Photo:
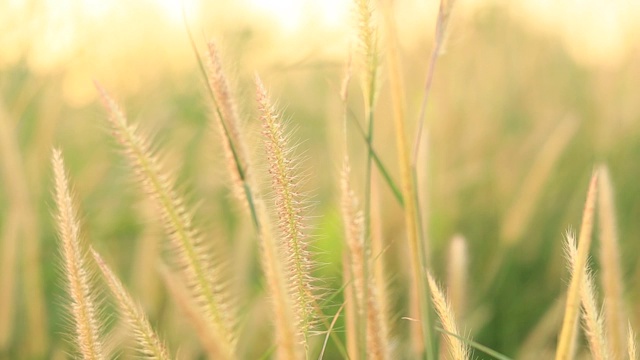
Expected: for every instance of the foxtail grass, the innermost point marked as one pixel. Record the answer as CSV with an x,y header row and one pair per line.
x,y
593,322
290,207
369,62
84,308
457,348
290,337
374,338
147,341
228,123
611,278
572,308
202,271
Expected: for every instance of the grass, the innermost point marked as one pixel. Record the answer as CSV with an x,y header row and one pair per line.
x,y
312,227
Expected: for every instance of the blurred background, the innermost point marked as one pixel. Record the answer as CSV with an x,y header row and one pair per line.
x,y
528,97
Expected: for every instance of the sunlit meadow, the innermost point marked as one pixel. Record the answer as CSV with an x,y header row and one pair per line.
x,y
254,179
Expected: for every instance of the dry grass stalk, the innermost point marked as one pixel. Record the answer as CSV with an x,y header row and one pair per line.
x,y
457,274
19,196
592,320
83,301
184,301
289,205
289,337
380,272
544,332
203,274
457,349
354,236
563,351
144,279
228,124
147,341
8,278
519,215
631,343
375,333
612,286
420,329
351,309
442,24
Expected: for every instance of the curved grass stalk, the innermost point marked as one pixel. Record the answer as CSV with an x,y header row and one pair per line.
x,y
147,341
202,273
83,300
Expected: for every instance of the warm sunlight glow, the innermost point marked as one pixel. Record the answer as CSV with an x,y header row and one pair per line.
x,y
84,38
293,15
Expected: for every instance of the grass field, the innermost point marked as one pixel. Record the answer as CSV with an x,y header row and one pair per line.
x,y
235,208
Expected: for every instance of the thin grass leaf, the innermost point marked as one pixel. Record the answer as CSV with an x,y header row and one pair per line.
x,y
329,332
475,345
